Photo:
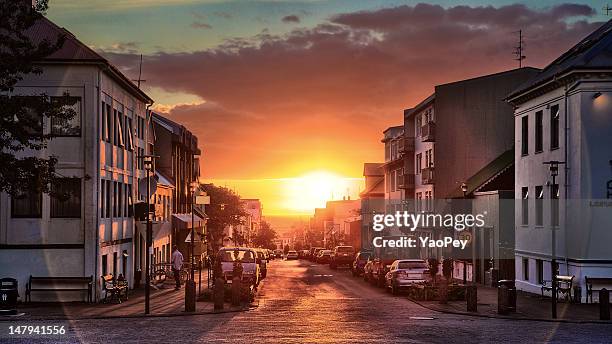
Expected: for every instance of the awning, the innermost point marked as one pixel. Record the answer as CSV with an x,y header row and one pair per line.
x,y
184,220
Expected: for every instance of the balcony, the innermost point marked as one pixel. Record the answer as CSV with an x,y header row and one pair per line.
x,y
406,145
427,175
428,132
406,181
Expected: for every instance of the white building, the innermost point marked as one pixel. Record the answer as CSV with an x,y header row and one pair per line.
x,y
564,114
91,232
393,168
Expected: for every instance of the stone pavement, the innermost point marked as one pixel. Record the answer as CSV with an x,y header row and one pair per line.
x,y
529,306
164,301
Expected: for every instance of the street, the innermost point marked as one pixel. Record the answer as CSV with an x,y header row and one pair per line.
x,y
302,302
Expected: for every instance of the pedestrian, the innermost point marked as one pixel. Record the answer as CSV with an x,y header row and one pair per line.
x,y
177,265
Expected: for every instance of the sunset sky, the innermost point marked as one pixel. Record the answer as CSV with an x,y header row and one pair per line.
x,y
290,98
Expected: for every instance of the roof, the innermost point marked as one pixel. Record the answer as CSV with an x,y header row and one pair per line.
x,y
74,50
163,180
373,169
593,52
371,189
420,106
486,174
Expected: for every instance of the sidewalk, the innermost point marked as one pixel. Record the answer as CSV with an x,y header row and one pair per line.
x,y
164,302
528,306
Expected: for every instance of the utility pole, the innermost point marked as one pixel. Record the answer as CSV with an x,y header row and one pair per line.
x,y
519,49
149,164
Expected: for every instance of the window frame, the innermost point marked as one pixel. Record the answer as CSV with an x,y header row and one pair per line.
x,y
539,132
525,135
36,214
54,213
555,134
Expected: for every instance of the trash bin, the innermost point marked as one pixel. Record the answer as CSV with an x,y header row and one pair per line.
x,y
8,296
510,296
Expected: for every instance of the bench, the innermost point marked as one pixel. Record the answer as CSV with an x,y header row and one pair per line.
x,y
589,281
48,283
564,285
116,288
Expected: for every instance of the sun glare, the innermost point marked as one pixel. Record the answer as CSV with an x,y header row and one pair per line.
x,y
312,190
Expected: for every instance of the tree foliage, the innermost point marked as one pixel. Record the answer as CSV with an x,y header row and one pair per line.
x,y
224,210
265,236
22,116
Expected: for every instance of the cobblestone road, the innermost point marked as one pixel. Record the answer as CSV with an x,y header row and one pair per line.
x,y
301,302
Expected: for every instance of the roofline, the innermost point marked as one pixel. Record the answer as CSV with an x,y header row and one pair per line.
x,y
113,71
420,105
490,75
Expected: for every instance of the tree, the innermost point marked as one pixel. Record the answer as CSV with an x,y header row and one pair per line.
x,y
265,236
21,117
224,210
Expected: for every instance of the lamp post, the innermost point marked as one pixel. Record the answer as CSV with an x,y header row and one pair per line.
x,y
553,167
148,163
464,189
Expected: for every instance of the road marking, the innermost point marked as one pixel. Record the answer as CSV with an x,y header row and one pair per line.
x,y
323,275
421,318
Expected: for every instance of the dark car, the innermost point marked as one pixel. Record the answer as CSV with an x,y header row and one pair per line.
x,y
359,263
278,253
324,256
342,255
315,253
378,269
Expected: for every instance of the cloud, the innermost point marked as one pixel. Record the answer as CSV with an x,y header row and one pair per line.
x,y
222,14
321,96
291,19
200,25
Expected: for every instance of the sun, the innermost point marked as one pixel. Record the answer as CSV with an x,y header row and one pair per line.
x,y
313,189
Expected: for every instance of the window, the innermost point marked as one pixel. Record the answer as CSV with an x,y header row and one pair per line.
x,y
554,127
66,198
63,127
119,129
130,207
104,265
419,158
109,123
525,269
128,134
539,205
102,198
429,158
120,199
539,131
393,176
525,135
108,199
419,124
540,271
28,204
525,205
115,192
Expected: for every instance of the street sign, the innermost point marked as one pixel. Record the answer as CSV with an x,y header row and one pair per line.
x,y
142,186
202,200
466,236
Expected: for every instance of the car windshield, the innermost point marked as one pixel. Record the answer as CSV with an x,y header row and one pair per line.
x,y
412,265
230,256
345,249
260,255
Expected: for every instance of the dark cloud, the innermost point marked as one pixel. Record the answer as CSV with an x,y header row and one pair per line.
x,y
291,19
200,25
336,86
224,15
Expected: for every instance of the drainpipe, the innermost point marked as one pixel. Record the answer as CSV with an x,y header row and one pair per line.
x,y
97,183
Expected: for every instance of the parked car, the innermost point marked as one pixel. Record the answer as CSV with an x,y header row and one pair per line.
x,y
304,254
342,255
278,253
379,269
292,255
250,268
262,261
361,258
324,256
405,273
367,269
315,253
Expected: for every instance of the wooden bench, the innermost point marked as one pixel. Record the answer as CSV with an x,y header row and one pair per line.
x,y
589,281
115,288
564,285
48,283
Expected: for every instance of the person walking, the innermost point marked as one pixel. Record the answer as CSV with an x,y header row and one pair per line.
x,y
177,265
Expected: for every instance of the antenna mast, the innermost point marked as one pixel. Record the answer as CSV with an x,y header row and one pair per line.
x,y
519,50
139,80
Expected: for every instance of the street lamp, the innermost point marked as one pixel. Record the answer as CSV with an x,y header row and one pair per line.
x,y
553,167
148,163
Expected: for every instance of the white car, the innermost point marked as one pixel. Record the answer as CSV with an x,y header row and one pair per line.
x,y
250,268
405,273
292,255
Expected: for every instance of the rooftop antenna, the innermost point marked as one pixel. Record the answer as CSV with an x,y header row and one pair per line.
x,y
518,50
139,80
607,9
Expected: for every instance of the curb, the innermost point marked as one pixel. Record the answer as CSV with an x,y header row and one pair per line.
x,y
130,316
509,317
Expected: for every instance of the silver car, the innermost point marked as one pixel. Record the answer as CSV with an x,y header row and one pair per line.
x,y
404,273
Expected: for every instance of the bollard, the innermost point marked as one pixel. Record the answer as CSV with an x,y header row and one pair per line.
x,y
604,304
219,293
236,291
502,299
190,296
471,297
